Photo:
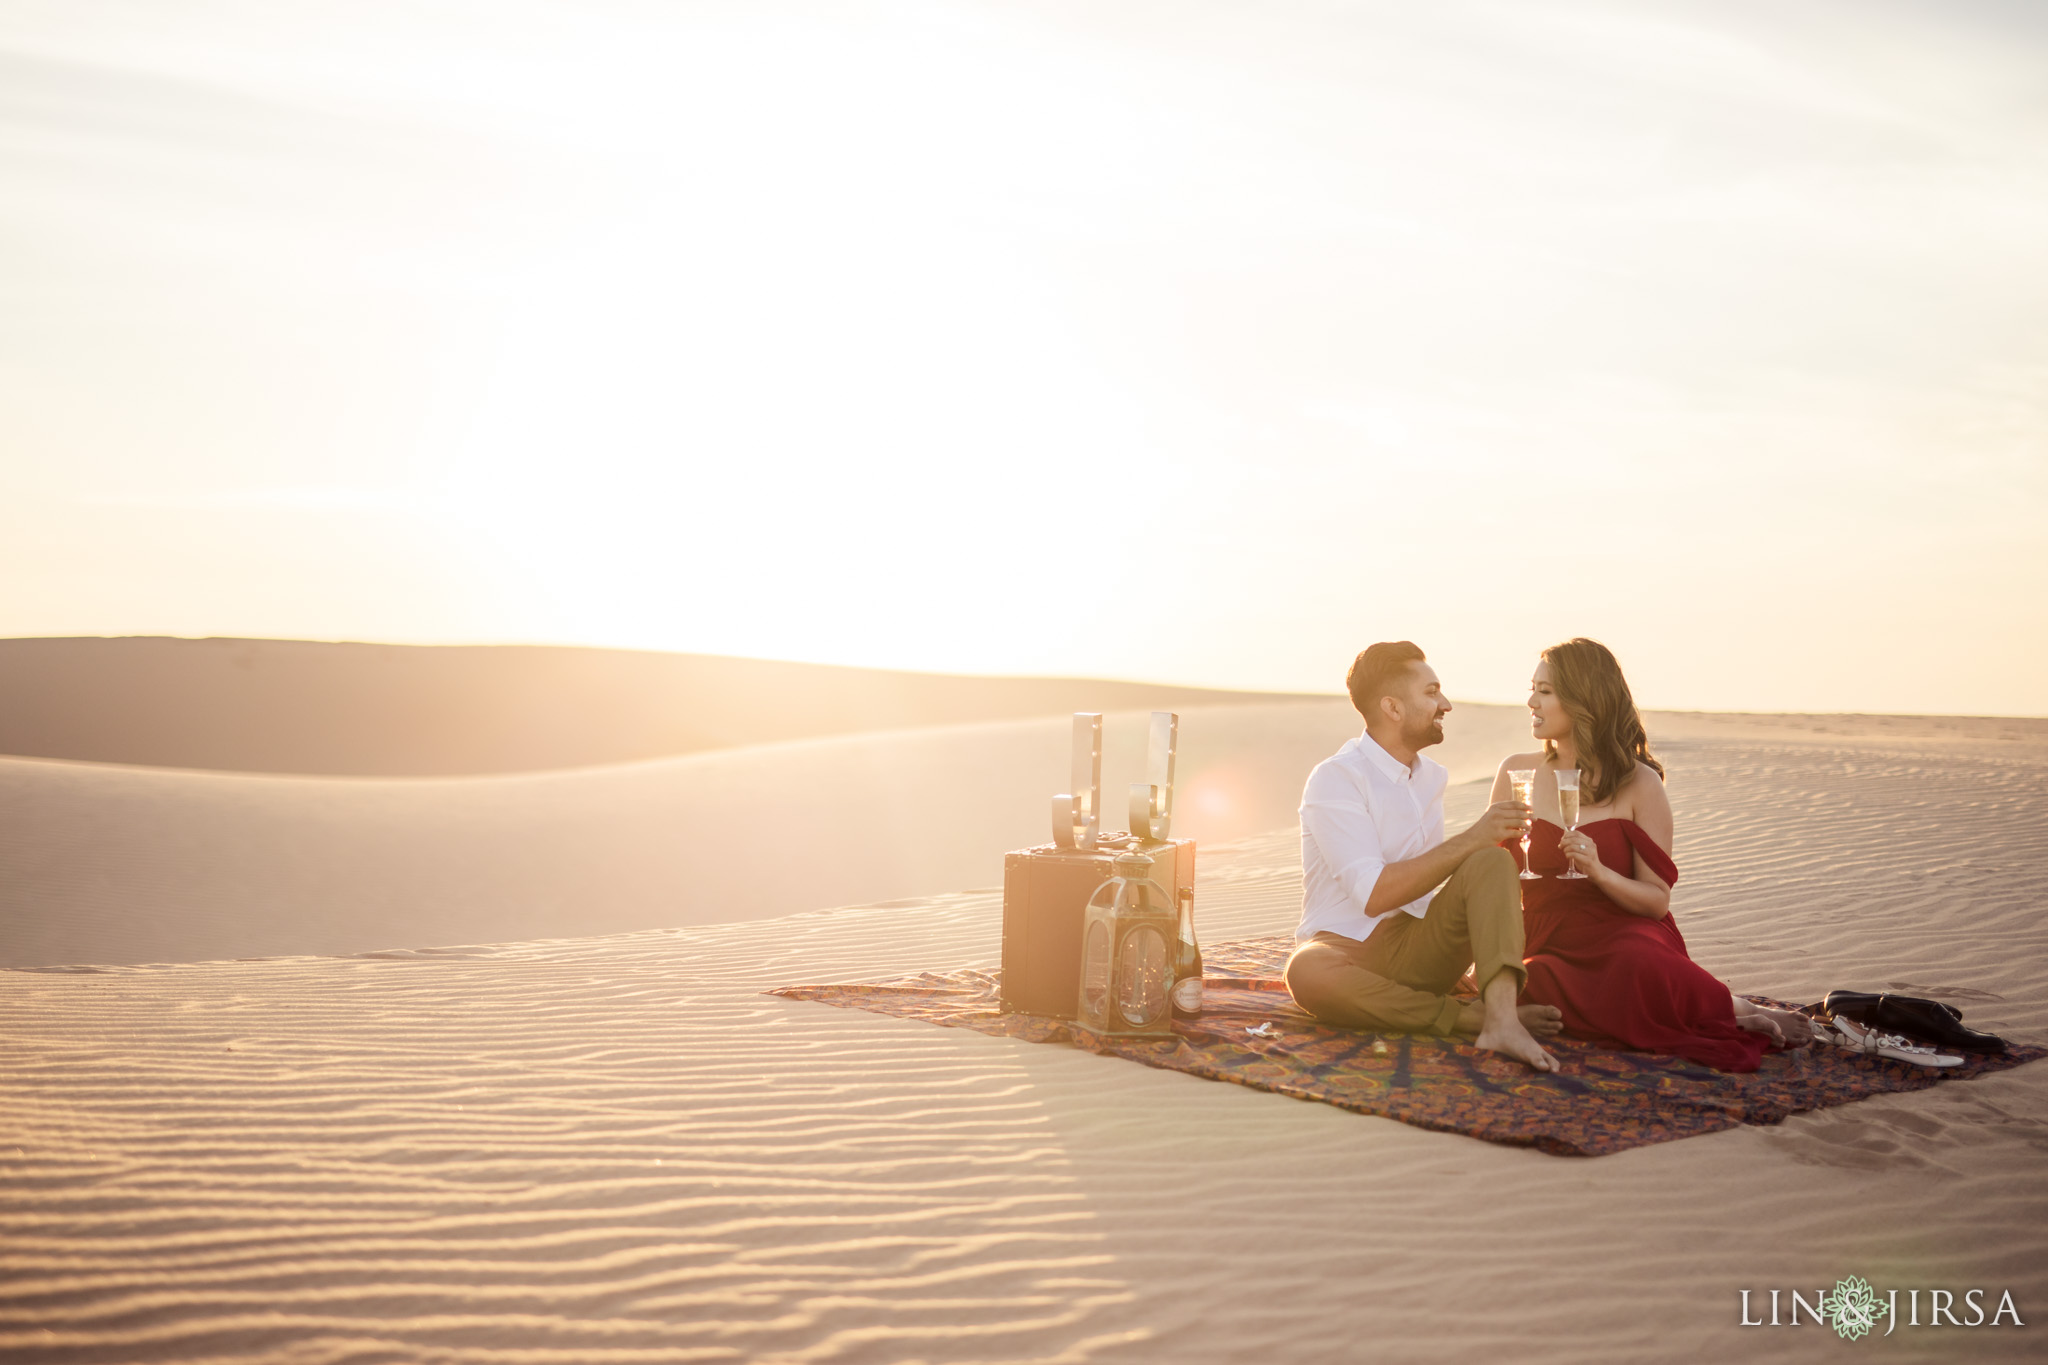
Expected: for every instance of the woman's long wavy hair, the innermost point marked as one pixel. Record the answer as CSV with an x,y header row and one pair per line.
x,y
1607,731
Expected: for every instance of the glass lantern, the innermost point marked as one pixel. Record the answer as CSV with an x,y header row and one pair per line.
x,y
1127,937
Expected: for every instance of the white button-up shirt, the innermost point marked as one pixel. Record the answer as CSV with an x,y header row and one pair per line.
x,y
1362,809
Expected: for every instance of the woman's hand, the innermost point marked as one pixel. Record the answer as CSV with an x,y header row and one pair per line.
x,y
1580,851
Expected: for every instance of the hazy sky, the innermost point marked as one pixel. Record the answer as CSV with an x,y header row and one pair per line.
x,y
1191,341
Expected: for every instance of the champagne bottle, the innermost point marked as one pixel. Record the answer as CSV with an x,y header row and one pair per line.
x,y
1187,962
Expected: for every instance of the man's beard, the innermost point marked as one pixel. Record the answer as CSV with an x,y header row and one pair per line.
x,y
1426,733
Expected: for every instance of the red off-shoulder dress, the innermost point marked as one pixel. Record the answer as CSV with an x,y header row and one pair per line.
x,y
1622,979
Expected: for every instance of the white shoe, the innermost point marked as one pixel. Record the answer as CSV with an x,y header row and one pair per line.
x,y
1847,1033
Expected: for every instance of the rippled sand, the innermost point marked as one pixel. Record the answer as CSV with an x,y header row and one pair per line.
x,y
615,1149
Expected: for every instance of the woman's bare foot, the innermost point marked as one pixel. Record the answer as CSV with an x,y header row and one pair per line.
x,y
1798,1028
1788,1028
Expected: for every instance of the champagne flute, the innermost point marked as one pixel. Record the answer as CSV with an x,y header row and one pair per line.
x,y
1568,815
1522,781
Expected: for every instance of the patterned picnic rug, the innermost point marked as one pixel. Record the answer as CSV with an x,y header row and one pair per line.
x,y
1601,1100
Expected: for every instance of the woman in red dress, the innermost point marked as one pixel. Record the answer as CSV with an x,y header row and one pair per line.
x,y
1605,951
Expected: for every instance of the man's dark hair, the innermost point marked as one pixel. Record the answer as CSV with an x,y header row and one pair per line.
x,y
1377,670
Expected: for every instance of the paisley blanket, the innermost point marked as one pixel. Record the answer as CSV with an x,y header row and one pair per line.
x,y
1602,1100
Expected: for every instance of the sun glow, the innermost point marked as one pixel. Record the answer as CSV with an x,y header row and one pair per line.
x,y
1037,337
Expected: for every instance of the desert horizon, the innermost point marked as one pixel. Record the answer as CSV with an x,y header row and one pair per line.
x,y
369,708
465,792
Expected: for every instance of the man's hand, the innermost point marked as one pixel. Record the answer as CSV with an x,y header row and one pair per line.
x,y
1503,820
1415,877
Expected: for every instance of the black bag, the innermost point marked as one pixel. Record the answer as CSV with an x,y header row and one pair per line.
x,y
1930,1021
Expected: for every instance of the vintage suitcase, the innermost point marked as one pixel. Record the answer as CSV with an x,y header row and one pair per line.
x,y
1046,889
1045,894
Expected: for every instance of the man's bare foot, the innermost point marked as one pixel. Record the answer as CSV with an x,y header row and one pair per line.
x,y
1509,1038
1543,1021
1496,1023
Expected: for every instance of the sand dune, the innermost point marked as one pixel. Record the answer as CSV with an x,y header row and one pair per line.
x,y
299,706
108,864
112,864
615,1149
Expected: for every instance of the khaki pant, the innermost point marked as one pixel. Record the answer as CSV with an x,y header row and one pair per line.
x,y
1399,980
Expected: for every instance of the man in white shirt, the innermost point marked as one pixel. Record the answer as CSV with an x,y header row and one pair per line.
x,y
1393,913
